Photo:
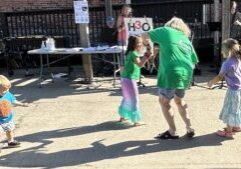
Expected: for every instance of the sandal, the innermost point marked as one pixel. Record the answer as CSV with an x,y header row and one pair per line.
x,y
190,134
138,124
166,136
122,119
223,133
235,129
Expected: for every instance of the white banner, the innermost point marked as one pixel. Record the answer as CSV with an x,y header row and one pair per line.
x,y
135,26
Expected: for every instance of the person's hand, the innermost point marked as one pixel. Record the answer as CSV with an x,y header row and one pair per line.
x,y
147,55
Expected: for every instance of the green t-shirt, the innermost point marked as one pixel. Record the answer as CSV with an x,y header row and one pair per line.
x,y
131,70
176,58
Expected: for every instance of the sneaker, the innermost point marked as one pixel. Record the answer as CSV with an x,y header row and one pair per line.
x,y
13,144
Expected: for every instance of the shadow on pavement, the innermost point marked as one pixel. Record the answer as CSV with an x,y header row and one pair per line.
x,y
33,93
68,132
34,157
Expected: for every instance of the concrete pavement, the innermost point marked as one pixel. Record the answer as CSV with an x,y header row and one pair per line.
x,y
68,126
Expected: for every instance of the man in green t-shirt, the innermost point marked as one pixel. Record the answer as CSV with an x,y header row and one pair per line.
x,y
177,59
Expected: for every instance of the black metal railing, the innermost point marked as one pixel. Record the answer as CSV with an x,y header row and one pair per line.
x,y
62,23
48,23
190,11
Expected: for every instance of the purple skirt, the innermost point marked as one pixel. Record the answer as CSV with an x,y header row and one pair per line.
x,y
129,108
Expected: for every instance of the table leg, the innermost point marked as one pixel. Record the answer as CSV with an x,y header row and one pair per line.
x,y
48,61
48,66
41,71
116,68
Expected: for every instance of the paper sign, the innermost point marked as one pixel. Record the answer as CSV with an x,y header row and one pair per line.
x,y
81,11
135,26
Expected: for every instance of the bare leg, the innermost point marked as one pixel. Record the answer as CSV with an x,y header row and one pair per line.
x,y
229,128
165,106
10,136
182,109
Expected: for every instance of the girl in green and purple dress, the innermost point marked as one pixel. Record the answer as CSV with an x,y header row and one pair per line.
x,y
129,108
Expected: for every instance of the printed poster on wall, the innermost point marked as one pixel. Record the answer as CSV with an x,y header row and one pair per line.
x,y
81,11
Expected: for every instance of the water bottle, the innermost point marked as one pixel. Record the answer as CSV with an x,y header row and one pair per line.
x,y
43,45
50,44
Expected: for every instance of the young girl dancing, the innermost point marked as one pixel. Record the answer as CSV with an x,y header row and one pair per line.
x,y
231,71
129,108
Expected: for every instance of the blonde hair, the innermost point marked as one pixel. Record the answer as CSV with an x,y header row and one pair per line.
x,y
231,47
5,84
178,23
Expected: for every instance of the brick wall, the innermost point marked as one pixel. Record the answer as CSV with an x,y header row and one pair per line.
x,y
29,5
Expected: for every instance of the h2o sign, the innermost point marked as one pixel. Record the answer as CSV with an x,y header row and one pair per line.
x,y
136,26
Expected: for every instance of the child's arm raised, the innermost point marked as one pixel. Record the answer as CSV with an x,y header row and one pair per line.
x,y
141,62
